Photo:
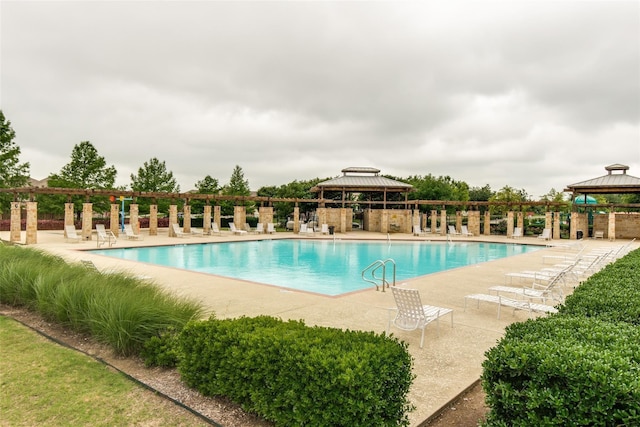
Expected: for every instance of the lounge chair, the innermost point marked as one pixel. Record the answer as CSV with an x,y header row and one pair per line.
x,y
452,231
546,234
417,231
527,305
71,235
215,229
517,233
464,231
598,234
131,235
179,232
411,314
536,290
259,228
324,228
235,230
305,229
105,236
271,228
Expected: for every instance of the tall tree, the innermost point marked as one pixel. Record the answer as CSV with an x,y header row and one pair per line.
x,y
237,186
510,195
12,172
153,176
207,185
87,169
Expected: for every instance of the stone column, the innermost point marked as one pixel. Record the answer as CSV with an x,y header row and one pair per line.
x,y
384,221
206,220
458,221
473,222
434,221
556,225
15,226
520,221
343,220
134,217
87,220
153,220
509,224
186,218
296,219
173,219
443,222
114,219
548,220
573,229
69,218
32,223
217,215
265,216
611,229
239,217
322,215
487,223
423,222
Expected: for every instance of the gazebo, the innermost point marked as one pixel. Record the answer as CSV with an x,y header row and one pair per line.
x,y
613,225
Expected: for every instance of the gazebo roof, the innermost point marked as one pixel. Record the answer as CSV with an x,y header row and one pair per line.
x,y
611,183
362,179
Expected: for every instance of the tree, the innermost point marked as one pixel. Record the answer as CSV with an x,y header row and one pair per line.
x,y
509,195
237,186
154,177
87,169
208,185
12,173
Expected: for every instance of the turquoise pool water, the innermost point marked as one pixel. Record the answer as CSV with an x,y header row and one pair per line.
x,y
320,266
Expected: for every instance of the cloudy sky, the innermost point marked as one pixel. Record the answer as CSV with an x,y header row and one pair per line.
x,y
535,95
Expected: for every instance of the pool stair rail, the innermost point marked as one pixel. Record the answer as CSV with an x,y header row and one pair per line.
x,y
369,273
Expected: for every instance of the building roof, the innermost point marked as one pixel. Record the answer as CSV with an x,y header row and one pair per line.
x,y
362,179
611,183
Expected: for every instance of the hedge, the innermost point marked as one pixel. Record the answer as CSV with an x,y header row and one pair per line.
x,y
296,375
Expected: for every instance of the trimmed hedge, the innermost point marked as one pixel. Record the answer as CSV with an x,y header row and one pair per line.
x,y
562,371
578,367
296,375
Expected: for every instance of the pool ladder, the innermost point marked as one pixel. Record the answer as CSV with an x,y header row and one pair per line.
x,y
375,267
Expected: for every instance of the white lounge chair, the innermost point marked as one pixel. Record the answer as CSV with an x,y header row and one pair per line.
x,y
517,233
305,229
259,228
527,305
546,234
417,231
71,235
411,314
235,230
131,235
324,228
179,232
105,236
464,231
452,231
536,290
215,229
271,228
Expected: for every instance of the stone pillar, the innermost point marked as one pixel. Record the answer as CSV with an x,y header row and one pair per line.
x,y
216,215
173,219
509,224
186,219
487,223
114,221
423,222
69,218
611,229
322,216
415,220
296,219
556,225
87,220
443,222
15,226
153,220
434,221
32,223
265,215
548,223
384,221
473,222
520,221
343,220
206,220
458,221
239,217
573,227
134,217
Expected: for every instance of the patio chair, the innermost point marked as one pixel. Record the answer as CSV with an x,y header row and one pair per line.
x,y
105,236
536,290
411,314
464,231
235,230
452,231
131,235
259,228
417,231
305,229
517,233
271,228
546,234
179,232
501,301
215,229
324,228
71,235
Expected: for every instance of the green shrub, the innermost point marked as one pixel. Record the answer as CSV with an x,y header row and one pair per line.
x,y
161,350
562,371
296,375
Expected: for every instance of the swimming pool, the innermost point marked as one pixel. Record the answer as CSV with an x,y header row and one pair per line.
x,y
325,267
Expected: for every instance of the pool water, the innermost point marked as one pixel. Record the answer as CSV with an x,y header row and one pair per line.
x,y
320,266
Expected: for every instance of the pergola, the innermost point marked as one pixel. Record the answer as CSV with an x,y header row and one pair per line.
x,y
611,183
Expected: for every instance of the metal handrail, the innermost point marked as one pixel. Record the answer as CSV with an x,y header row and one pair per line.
x,y
373,267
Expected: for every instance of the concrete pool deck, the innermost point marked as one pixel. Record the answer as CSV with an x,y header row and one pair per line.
x,y
448,363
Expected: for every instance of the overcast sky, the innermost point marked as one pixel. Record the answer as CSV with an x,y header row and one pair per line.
x,y
534,95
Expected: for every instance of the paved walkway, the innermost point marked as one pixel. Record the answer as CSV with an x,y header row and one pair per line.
x,y
448,363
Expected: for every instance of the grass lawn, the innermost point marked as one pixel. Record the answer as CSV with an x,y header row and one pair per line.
x,y
42,383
